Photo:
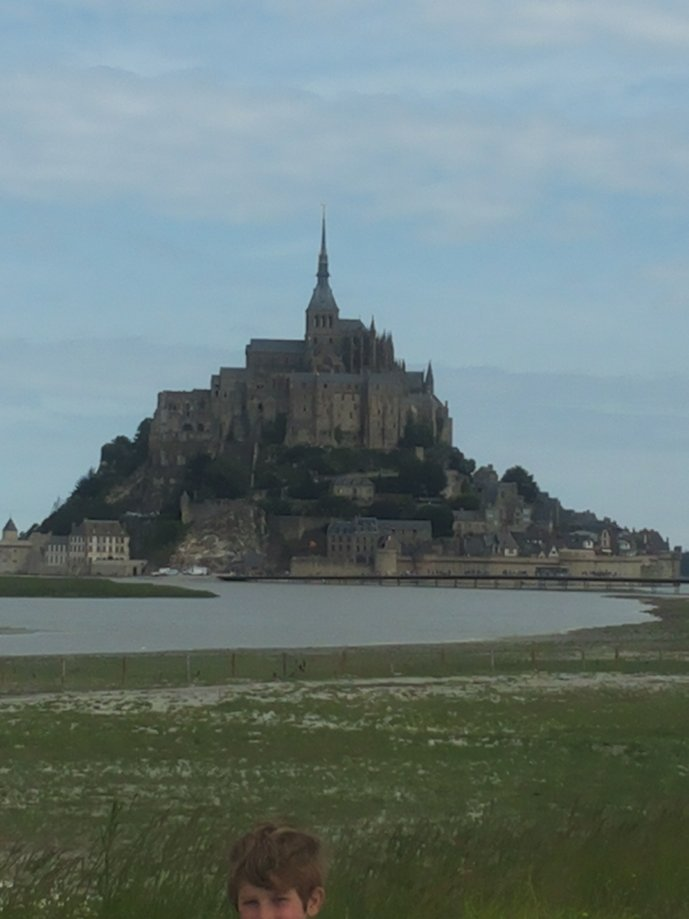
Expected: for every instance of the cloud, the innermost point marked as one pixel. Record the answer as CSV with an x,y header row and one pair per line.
x,y
192,146
538,23
98,378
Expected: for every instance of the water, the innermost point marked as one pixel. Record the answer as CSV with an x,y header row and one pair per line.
x,y
245,615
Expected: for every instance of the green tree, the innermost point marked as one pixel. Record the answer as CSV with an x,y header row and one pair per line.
x,y
417,434
393,507
440,516
458,461
220,477
277,507
526,485
467,501
304,486
421,478
336,506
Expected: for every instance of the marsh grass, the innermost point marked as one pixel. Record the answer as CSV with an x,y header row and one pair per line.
x,y
516,796
594,867
83,672
72,587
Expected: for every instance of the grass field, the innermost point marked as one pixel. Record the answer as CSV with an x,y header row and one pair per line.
x,y
529,794
29,586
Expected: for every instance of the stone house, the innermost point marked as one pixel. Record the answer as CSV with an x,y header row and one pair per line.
x,y
357,541
94,541
359,489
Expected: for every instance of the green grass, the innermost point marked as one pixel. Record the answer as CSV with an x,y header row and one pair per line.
x,y
516,795
518,780
595,867
85,672
29,586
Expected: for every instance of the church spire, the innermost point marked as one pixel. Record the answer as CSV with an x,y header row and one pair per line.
x,y
323,273
322,312
429,378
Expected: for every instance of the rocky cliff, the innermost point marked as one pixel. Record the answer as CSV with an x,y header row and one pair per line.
x,y
223,535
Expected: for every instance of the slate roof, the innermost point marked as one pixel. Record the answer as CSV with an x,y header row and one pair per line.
x,y
293,345
393,526
358,525
99,528
350,325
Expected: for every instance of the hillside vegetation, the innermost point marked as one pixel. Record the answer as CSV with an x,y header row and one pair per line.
x,y
410,482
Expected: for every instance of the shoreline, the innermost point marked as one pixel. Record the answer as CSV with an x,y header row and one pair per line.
x,y
668,622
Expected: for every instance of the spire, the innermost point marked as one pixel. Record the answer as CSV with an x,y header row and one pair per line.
x,y
429,378
323,273
322,299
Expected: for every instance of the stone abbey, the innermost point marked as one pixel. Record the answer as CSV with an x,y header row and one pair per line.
x,y
339,385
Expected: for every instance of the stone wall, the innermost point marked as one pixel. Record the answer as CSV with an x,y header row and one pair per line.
x,y
639,566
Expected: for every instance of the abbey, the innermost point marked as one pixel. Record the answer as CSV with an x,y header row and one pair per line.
x,y
339,385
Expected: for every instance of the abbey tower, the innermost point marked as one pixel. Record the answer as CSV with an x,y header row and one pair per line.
x,y
340,385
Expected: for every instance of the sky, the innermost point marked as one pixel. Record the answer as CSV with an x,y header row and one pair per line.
x,y
507,192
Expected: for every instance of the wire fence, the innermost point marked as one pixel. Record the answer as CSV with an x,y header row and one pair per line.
x,y
86,672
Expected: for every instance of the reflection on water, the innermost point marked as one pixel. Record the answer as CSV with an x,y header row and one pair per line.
x,y
247,615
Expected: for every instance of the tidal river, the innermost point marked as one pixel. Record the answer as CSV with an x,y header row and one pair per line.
x,y
246,615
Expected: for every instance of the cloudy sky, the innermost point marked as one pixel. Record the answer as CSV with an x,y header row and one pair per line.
x,y
507,189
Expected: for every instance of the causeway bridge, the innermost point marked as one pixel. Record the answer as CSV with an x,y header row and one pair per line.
x,y
478,581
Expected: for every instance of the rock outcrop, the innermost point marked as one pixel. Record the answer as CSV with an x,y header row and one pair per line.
x,y
222,535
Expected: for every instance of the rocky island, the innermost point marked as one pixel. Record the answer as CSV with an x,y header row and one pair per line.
x,y
322,455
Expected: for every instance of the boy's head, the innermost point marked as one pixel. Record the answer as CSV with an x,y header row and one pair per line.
x,y
281,862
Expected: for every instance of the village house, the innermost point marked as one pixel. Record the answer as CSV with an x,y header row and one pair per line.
x,y
93,547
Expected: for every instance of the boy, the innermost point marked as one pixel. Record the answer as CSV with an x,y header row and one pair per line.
x,y
277,872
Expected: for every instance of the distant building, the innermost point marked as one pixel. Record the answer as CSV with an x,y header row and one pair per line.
x,y
14,552
353,542
94,542
93,547
357,541
341,385
56,553
357,488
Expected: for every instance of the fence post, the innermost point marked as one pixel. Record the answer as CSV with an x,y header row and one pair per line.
x,y
63,673
188,661
124,670
492,660
284,665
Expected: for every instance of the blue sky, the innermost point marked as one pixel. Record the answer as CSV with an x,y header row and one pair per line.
x,y
507,189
